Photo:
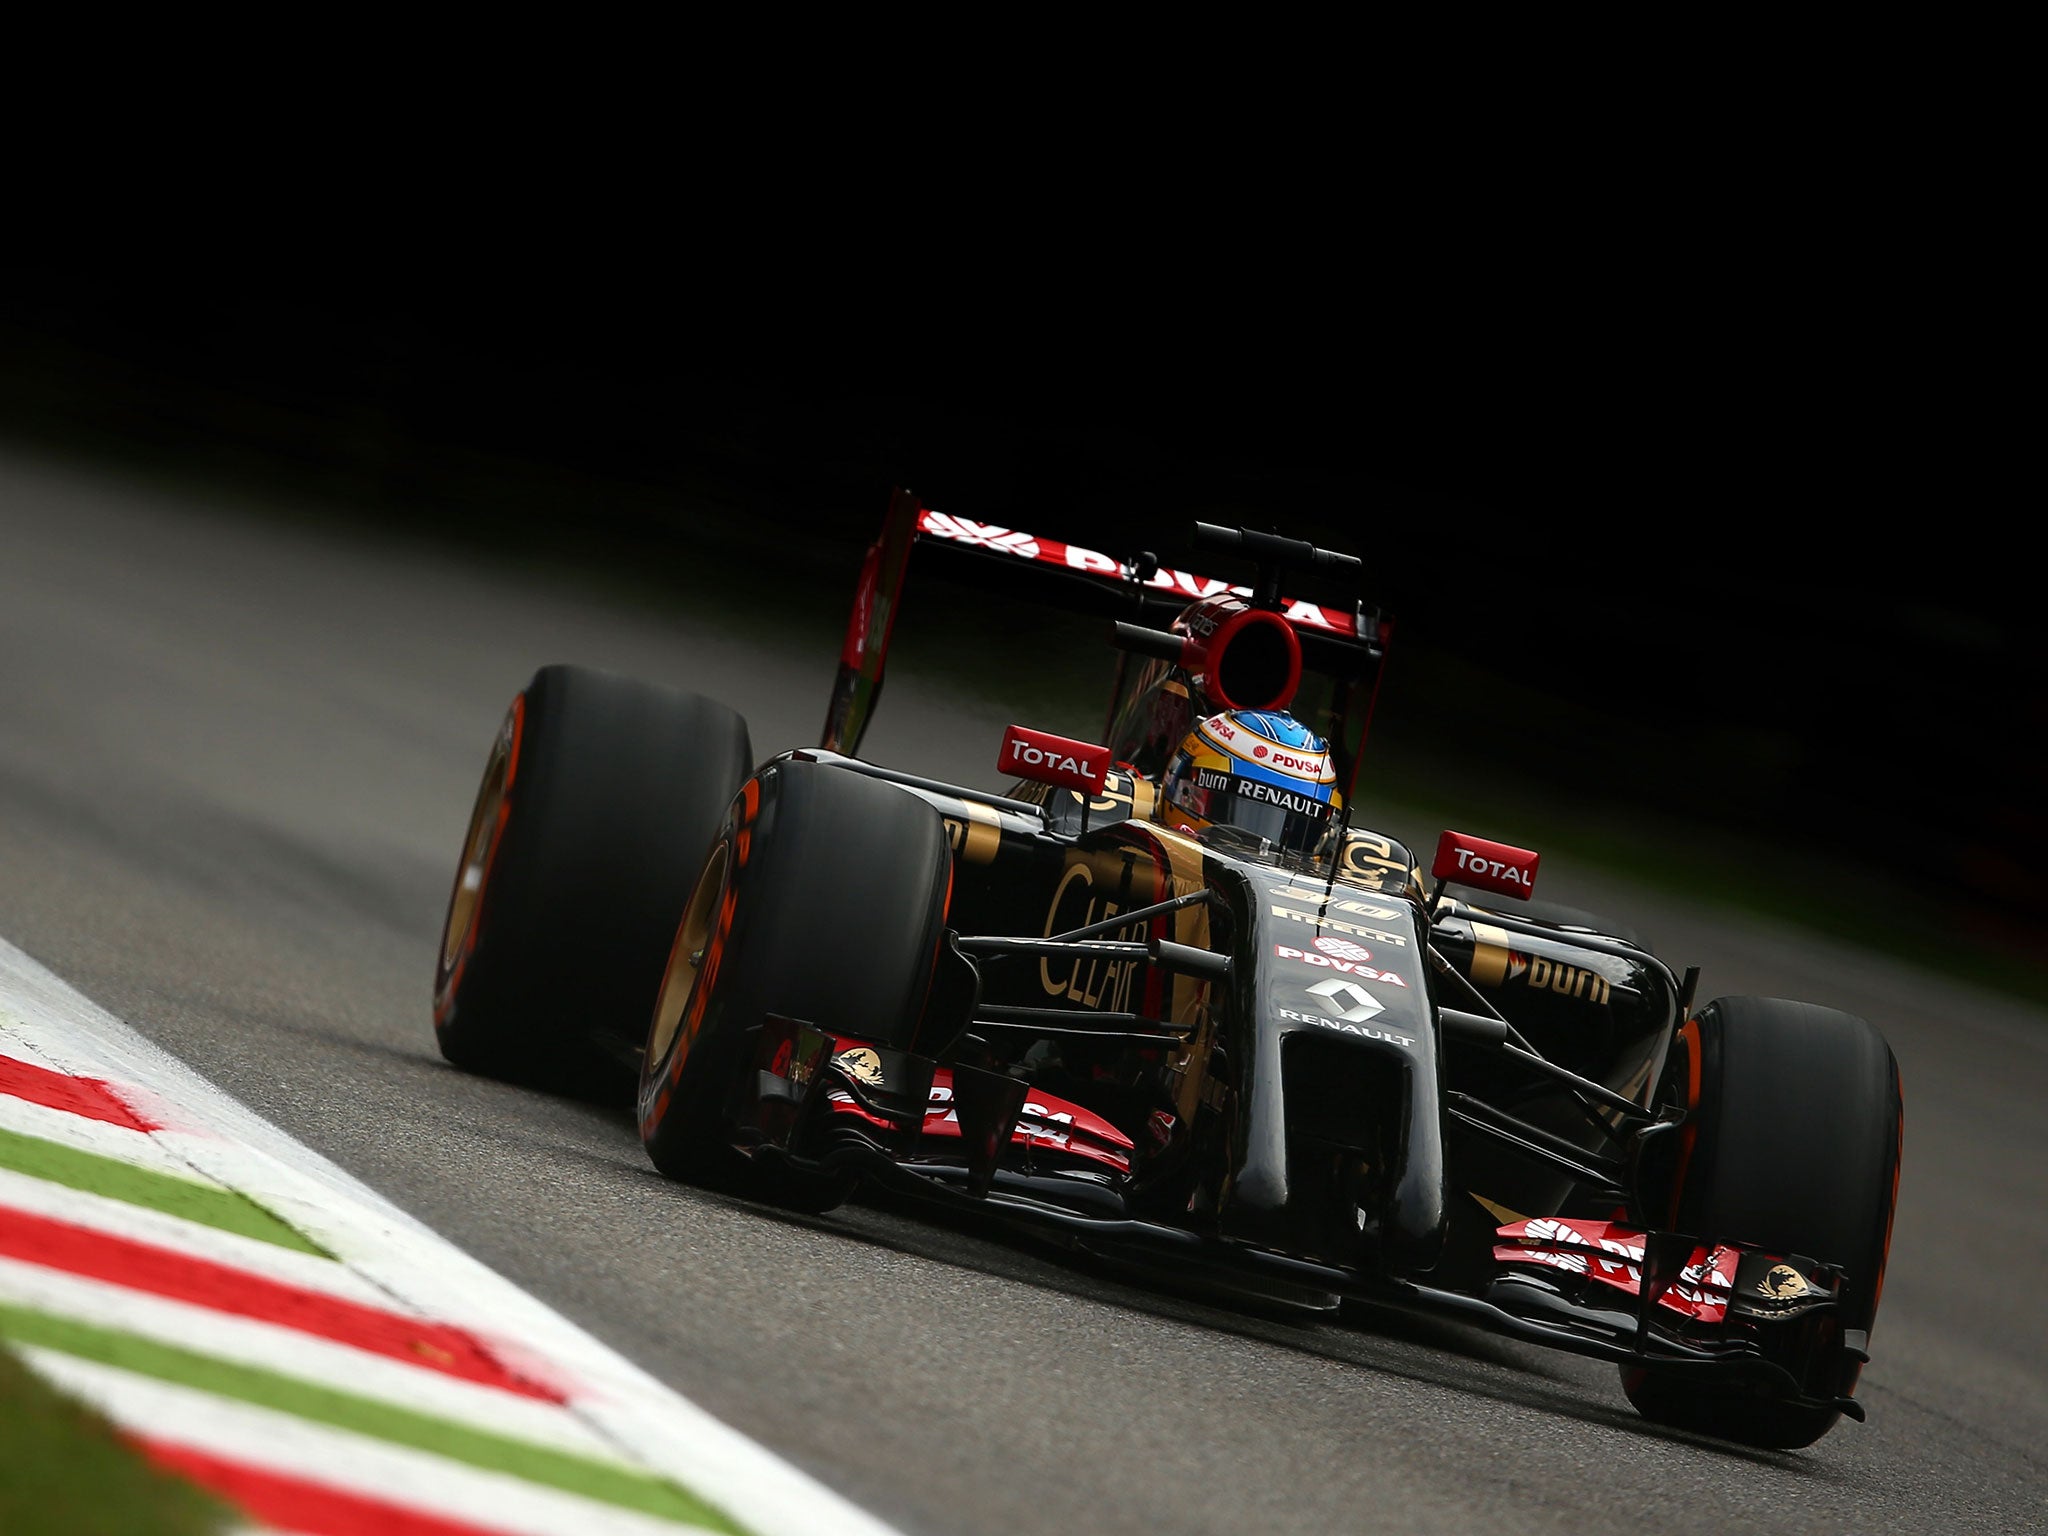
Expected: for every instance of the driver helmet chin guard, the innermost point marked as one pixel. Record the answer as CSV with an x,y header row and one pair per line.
x,y
1261,773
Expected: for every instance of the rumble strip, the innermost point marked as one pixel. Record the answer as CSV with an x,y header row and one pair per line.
x,y
255,1319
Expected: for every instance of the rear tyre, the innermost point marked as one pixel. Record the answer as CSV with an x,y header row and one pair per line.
x,y
823,899
1795,1125
597,803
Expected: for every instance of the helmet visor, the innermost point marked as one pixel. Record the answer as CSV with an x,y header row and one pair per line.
x,y
1286,818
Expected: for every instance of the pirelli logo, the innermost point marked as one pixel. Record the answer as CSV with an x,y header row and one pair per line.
x,y
1321,901
1356,930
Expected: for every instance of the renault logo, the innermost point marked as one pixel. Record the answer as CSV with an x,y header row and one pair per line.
x,y
1356,1004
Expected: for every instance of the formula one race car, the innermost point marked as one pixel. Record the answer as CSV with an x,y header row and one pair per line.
x,y
1161,1000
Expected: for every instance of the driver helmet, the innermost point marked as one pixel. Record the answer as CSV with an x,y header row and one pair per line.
x,y
1259,771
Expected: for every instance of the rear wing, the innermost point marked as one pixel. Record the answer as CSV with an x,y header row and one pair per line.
x,y
1118,587
1348,642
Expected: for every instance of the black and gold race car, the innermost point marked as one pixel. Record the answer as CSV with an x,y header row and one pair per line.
x,y
1162,999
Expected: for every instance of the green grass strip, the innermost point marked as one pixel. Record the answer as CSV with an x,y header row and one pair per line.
x,y
564,1470
109,1176
64,1469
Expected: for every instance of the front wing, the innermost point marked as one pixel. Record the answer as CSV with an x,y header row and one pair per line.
x,y
977,1141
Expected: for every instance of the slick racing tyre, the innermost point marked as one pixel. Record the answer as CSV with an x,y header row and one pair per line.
x,y
597,803
1792,1143
823,899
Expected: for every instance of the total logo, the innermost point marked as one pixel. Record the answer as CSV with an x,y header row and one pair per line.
x,y
1344,949
1048,759
1024,755
1473,862
1349,967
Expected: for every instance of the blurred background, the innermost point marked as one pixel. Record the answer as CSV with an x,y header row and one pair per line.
x,y
1716,573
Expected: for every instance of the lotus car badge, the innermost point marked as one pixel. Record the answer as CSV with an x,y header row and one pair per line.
x,y
1783,1283
862,1065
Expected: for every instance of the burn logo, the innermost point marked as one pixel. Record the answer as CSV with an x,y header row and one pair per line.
x,y
1568,980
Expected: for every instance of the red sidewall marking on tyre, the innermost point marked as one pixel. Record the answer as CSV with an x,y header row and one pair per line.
x,y
1690,1036
1891,1214
476,917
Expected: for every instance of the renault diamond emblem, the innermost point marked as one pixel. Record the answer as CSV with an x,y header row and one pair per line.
x,y
1358,1004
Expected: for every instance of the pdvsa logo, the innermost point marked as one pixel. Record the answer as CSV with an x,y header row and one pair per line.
x,y
981,535
1351,968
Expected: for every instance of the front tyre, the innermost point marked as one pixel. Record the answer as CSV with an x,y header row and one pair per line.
x,y
598,800
1794,1127
823,899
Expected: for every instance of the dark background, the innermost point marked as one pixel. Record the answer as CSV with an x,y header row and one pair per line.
x,y
1735,546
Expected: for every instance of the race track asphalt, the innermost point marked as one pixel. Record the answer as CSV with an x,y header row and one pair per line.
x,y
237,755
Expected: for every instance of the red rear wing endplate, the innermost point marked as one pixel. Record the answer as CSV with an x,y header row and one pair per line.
x,y
873,621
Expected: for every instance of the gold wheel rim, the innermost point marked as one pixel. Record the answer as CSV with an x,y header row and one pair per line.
x,y
687,954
